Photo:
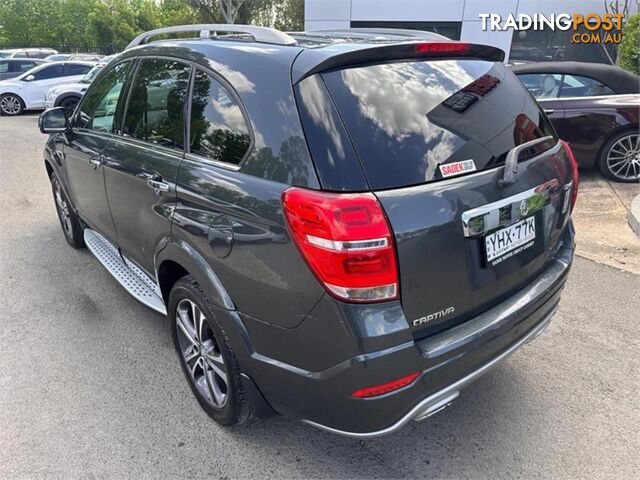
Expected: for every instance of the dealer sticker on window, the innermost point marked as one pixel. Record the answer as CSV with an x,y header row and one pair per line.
x,y
511,240
457,168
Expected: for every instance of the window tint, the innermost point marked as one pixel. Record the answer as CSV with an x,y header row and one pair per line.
x,y
24,66
75,69
406,119
155,108
98,108
4,67
20,55
52,71
578,86
542,85
218,128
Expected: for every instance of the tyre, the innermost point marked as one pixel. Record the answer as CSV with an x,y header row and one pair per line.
x,y
205,354
11,104
69,104
69,221
620,157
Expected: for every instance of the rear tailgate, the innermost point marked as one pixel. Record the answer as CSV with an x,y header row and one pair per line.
x,y
432,137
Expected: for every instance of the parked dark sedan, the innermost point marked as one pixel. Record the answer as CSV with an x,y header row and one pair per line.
x,y
595,108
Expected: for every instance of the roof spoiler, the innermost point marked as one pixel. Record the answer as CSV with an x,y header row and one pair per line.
x,y
337,56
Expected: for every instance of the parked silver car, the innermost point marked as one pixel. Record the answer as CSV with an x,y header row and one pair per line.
x,y
27,52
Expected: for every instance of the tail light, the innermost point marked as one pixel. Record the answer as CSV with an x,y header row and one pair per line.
x,y
574,173
347,242
442,47
385,387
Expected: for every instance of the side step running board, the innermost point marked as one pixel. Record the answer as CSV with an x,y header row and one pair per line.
x,y
134,280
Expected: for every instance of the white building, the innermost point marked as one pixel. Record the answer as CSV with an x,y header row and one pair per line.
x,y
460,20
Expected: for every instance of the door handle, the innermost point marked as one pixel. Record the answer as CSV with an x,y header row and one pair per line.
x,y
95,162
548,111
157,185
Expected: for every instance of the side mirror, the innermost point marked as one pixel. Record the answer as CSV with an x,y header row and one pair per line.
x,y
29,78
54,120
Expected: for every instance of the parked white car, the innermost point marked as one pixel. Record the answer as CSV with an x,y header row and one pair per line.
x,y
27,52
27,91
69,94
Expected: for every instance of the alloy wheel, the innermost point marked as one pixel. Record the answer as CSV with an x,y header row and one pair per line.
x,y
201,354
623,158
10,105
63,210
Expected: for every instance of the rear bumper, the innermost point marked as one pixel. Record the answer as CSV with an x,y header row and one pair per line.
x,y
442,398
447,362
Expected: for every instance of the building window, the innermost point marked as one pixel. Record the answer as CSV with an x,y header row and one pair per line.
x,y
547,45
448,29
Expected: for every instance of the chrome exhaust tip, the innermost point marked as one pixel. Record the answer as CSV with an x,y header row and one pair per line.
x,y
436,407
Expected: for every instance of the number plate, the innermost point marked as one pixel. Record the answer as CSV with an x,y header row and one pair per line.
x,y
510,240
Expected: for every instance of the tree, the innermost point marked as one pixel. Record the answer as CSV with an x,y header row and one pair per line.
x,y
629,50
616,7
229,9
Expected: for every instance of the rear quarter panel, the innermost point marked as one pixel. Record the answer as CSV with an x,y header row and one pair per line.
x,y
589,122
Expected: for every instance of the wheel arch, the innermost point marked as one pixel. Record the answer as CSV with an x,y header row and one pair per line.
x,y
24,104
49,168
65,96
633,127
178,259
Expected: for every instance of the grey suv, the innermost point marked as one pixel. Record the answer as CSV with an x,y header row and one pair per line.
x,y
345,227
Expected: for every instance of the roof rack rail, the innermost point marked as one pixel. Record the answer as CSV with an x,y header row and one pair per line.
x,y
401,32
260,34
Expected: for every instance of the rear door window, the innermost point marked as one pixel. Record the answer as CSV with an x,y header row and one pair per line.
x,y
53,71
76,69
407,119
218,128
24,66
579,86
155,106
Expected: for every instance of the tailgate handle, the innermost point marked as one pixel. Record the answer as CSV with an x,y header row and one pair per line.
x,y
511,163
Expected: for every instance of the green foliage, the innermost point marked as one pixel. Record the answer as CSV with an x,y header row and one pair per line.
x,y
629,51
86,23
83,24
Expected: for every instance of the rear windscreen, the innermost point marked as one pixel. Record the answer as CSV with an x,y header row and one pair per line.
x,y
408,119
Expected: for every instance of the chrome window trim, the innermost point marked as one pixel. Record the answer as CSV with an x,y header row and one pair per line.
x,y
588,97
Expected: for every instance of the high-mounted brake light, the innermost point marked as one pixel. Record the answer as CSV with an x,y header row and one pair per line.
x,y
442,47
347,242
574,173
385,387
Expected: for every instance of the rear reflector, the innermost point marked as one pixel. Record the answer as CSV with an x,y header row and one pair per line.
x,y
346,241
385,387
574,173
442,47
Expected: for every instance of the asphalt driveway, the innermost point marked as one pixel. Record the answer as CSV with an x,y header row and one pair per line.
x,y
90,386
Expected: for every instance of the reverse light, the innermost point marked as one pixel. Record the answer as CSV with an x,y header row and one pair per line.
x,y
385,387
442,47
346,241
574,173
